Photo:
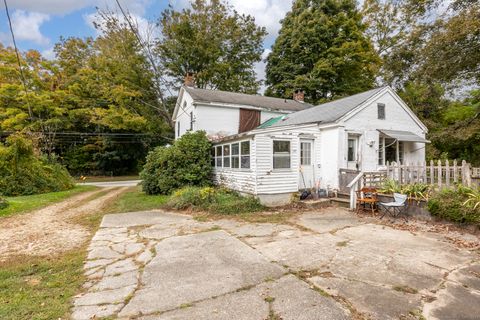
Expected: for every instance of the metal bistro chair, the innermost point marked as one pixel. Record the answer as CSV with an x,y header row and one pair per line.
x,y
366,196
399,206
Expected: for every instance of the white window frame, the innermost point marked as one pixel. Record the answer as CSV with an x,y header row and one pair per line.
x,y
289,154
399,151
309,153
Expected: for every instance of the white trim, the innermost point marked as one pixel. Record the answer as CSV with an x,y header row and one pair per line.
x,y
177,104
367,102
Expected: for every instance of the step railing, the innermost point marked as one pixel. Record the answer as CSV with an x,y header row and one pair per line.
x,y
355,185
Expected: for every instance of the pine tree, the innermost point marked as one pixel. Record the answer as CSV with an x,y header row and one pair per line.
x,y
321,49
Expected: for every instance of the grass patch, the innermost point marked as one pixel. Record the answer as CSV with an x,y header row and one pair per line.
x,y
38,287
22,204
134,199
405,289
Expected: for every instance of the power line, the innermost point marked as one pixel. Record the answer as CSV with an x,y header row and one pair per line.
x,y
22,76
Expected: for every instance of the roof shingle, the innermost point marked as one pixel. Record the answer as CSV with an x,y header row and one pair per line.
x,y
209,96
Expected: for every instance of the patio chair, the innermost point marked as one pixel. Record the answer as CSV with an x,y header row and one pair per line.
x,y
366,195
397,207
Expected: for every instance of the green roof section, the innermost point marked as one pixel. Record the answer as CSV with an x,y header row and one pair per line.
x,y
270,122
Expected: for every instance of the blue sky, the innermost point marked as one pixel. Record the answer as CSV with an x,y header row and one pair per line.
x,y
38,24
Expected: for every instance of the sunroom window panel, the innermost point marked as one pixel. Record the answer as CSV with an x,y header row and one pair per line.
x,y
245,155
226,156
235,155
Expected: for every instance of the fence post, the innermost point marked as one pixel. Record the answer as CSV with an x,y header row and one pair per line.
x,y
432,173
447,173
468,175
399,168
424,172
439,168
455,172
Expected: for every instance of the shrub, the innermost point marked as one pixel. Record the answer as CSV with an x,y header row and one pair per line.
x,y
3,203
451,204
24,171
414,190
214,200
185,163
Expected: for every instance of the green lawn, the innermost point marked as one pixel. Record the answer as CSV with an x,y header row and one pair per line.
x,y
134,199
23,204
40,288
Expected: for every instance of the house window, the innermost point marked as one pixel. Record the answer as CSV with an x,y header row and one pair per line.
x,y
381,111
178,129
245,154
390,150
305,153
235,155
213,156
218,157
281,154
352,149
191,121
226,156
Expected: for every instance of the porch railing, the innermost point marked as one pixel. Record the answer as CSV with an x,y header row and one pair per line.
x,y
436,173
364,179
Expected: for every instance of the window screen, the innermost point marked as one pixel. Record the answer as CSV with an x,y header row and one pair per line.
x,y
245,154
235,155
281,154
305,153
381,111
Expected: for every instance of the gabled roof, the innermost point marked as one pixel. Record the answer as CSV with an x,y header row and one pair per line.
x,y
327,112
217,96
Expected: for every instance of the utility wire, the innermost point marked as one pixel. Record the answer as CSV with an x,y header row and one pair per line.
x,y
147,50
22,76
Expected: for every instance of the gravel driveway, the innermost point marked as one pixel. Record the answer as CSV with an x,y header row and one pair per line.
x,y
324,265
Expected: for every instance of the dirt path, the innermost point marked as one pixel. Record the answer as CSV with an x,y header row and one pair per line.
x,y
52,229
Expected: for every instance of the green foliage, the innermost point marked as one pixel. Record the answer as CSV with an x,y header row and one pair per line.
x,y
217,44
213,200
322,49
413,190
185,163
455,205
22,204
473,199
24,172
3,203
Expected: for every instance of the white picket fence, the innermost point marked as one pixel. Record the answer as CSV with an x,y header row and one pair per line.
x,y
435,173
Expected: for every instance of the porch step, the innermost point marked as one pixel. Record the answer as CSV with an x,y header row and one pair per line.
x,y
341,202
342,195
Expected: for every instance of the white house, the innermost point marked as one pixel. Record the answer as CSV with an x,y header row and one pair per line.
x,y
291,150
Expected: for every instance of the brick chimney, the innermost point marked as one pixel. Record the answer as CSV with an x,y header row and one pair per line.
x,y
299,95
189,79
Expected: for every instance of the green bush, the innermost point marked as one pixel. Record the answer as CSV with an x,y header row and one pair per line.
x,y
214,200
3,203
24,171
185,163
451,204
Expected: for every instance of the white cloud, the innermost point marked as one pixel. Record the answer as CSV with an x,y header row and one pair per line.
x,y
267,13
139,22
48,54
26,26
260,69
61,7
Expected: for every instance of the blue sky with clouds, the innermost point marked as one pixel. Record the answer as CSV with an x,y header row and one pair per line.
x,y
38,24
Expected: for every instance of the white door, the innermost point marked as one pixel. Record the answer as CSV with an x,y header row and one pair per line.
x,y
306,175
353,161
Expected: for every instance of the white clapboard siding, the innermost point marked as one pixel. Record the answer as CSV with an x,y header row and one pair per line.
x,y
273,181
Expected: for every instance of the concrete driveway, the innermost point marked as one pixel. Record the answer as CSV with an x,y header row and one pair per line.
x,y
325,265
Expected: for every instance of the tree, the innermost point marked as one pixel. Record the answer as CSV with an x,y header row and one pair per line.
x,y
322,49
215,43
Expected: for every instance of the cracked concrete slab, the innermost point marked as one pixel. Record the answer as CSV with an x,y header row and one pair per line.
x,y
161,265
209,264
374,301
